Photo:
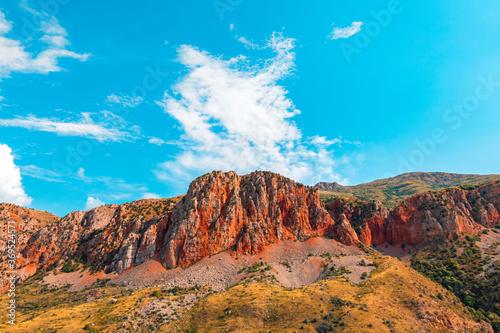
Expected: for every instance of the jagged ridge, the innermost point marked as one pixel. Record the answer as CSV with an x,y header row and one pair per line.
x,y
225,211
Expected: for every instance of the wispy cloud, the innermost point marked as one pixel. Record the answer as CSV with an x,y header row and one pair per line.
x,y
11,188
83,128
14,57
128,101
242,39
40,173
235,116
150,195
347,32
248,44
112,188
115,188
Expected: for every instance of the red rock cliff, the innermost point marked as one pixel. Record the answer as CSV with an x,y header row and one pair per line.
x,y
422,218
223,211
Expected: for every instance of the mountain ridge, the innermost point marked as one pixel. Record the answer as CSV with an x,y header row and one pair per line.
x,y
394,190
225,211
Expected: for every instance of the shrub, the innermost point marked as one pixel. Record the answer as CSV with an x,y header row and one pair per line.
x,y
324,327
175,290
69,267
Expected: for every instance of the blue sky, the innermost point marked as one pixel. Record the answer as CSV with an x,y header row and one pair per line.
x,y
116,101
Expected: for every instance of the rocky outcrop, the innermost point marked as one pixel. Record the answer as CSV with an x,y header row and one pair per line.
x,y
368,219
324,186
112,237
22,224
423,218
223,211
442,215
344,232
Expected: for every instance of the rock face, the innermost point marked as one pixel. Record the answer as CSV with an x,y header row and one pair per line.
x,y
439,215
112,237
27,222
368,219
225,211
324,186
422,218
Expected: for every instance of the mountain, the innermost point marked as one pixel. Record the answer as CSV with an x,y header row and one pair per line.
x,y
262,235
423,218
392,191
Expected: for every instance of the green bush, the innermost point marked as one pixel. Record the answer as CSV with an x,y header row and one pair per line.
x,y
69,267
324,327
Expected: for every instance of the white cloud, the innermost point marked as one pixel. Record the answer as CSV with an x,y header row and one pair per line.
x,y
156,141
1,99
40,173
11,188
149,195
346,32
231,26
113,188
128,101
5,26
93,203
248,44
15,58
236,116
323,141
81,173
84,128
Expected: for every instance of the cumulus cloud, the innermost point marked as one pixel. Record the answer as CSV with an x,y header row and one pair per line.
x,y
235,116
128,101
15,58
11,188
347,32
93,203
86,127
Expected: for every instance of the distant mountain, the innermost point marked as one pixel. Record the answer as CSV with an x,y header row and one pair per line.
x,y
394,190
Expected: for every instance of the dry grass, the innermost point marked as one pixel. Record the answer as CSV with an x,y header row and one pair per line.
x,y
391,300
394,298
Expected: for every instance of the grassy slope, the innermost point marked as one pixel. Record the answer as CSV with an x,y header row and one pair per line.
x,y
388,301
118,309
392,191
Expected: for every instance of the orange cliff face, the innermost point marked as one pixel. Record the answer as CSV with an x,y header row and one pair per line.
x,y
423,218
225,211
27,223
446,214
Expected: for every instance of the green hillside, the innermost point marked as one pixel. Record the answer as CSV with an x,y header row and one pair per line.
x,y
392,191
